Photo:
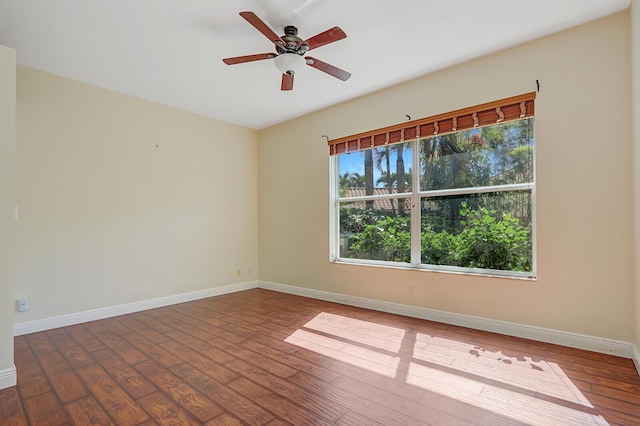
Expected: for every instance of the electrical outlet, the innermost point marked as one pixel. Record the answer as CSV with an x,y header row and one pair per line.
x,y
22,304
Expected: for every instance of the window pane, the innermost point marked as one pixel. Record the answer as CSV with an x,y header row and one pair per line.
x,y
376,230
375,171
489,231
494,155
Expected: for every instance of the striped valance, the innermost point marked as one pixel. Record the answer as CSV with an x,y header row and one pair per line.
x,y
514,108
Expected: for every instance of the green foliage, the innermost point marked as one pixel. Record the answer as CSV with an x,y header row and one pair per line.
x,y
455,160
439,247
353,221
485,239
388,239
493,241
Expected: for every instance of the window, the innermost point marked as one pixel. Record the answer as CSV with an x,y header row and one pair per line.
x,y
460,198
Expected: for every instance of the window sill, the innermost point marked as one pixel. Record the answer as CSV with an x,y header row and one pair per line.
x,y
458,271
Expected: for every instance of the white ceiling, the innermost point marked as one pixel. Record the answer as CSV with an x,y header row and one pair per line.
x,y
171,51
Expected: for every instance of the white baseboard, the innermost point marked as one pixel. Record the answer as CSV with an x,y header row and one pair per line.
x,y
575,340
8,378
112,311
563,338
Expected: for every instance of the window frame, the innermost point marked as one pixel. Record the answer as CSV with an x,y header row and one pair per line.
x,y
415,196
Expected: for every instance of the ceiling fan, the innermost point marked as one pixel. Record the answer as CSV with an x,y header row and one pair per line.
x,y
290,50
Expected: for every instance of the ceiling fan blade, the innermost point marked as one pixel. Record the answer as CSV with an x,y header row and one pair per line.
x,y
259,25
329,69
287,81
325,37
248,58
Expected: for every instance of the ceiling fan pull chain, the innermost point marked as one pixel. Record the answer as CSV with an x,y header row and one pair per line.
x,y
371,141
523,110
436,128
475,119
454,126
402,135
500,115
358,144
386,142
346,147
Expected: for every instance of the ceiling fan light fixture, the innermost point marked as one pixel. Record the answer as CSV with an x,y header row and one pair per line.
x,y
289,62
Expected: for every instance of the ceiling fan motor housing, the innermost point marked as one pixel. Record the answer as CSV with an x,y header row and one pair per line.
x,y
293,43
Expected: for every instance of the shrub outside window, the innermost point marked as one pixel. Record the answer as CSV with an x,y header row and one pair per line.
x,y
463,201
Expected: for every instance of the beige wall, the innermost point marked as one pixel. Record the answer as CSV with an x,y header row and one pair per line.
x,y
7,163
635,58
107,218
584,187
123,200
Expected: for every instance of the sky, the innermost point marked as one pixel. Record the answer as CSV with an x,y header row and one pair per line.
x,y
354,162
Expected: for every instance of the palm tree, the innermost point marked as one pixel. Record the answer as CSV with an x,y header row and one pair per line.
x,y
368,176
382,180
357,180
345,183
384,155
350,180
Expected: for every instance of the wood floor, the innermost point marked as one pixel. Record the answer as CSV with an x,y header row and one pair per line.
x,y
259,357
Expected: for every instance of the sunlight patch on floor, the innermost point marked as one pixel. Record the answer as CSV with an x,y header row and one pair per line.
x,y
368,359
510,404
371,334
536,376
517,387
